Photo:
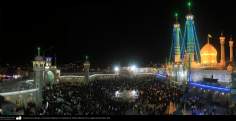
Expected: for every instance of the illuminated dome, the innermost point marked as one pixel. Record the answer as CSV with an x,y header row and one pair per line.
x,y
208,54
86,63
38,58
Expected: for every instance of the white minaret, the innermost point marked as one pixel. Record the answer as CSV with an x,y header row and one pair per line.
x,y
231,44
39,67
86,69
222,49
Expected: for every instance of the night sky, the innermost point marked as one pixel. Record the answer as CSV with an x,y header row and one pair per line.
x,y
108,32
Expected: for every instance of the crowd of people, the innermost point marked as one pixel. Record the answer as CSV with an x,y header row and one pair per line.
x,y
95,98
9,108
202,104
155,97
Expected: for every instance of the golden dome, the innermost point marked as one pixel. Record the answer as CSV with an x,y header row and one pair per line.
x,y
208,54
208,48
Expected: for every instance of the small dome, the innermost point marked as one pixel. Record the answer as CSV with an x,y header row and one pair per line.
x,y
208,54
38,58
86,62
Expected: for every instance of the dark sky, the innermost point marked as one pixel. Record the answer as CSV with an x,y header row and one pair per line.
x,y
109,32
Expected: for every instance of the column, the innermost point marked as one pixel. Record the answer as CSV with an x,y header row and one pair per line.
x,y
231,50
222,50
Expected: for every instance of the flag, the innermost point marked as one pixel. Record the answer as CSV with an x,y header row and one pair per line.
x,y
209,36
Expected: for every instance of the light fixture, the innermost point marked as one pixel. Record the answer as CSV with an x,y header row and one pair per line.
x,y
116,69
133,68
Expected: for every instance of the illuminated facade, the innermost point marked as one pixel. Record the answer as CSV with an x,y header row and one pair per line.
x,y
195,64
43,73
210,67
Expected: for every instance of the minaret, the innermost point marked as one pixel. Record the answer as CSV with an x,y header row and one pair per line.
x,y
177,37
190,49
55,60
175,52
86,69
190,34
39,67
222,50
230,66
231,43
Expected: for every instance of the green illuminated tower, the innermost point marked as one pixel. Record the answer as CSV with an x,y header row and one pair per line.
x,y
190,44
175,54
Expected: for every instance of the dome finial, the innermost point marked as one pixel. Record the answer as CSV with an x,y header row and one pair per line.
x,y
231,38
208,40
176,16
221,34
38,51
189,4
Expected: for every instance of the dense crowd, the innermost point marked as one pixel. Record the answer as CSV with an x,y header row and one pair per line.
x,y
95,98
203,105
9,108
